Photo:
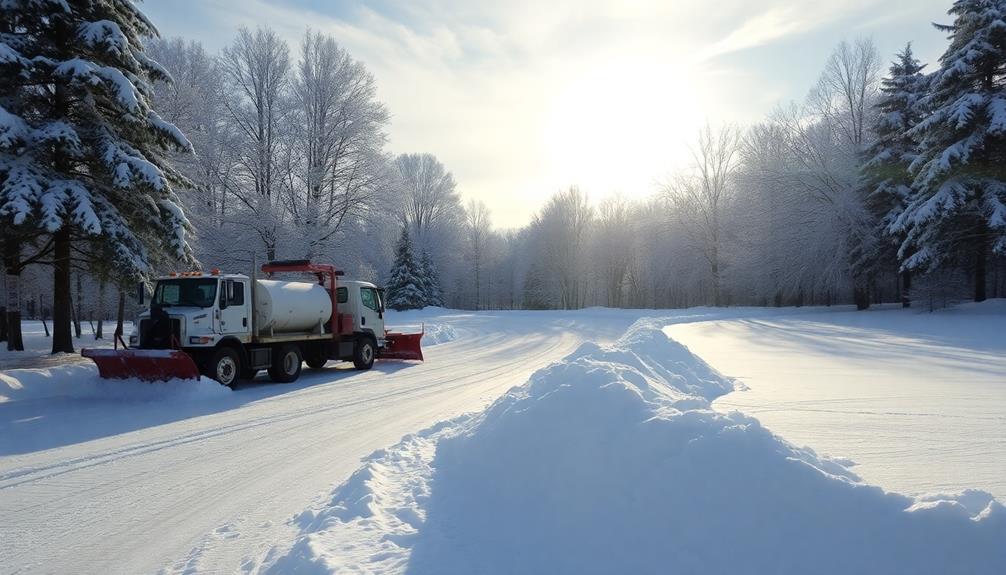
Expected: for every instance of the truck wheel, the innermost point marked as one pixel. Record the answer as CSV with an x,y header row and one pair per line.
x,y
286,364
224,366
363,355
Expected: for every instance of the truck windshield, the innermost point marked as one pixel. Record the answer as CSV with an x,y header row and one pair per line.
x,y
196,292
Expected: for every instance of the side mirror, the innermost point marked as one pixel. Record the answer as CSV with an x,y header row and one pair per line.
x,y
141,293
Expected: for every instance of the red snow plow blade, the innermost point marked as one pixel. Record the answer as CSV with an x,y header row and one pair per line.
x,y
143,364
402,346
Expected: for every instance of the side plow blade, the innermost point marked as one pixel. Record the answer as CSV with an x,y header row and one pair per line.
x,y
143,364
402,346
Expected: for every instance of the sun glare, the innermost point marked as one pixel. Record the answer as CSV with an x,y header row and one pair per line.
x,y
616,125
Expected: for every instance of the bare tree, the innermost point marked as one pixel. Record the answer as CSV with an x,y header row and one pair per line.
x,y
478,225
700,196
257,68
613,247
340,131
559,240
848,86
429,193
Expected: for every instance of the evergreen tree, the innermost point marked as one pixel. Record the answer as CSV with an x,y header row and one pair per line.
x,y
432,292
958,206
404,288
81,150
888,179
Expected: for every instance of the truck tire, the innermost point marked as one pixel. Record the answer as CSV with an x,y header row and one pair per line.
x,y
286,363
224,366
363,355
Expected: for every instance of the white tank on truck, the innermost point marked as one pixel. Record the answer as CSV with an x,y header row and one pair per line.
x,y
285,307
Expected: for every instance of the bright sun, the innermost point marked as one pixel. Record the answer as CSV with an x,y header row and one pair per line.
x,y
619,127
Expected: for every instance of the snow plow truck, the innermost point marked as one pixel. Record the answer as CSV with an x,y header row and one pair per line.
x,y
231,326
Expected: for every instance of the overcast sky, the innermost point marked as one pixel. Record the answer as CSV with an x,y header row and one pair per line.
x,y
520,98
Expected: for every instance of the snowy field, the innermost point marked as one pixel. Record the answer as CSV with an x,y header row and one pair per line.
x,y
611,460
917,400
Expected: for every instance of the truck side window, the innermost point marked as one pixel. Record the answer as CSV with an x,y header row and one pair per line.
x,y
341,295
237,295
368,299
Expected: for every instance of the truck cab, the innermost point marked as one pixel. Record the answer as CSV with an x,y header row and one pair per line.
x,y
199,310
365,303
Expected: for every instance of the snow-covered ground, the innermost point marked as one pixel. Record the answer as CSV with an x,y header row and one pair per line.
x,y
917,400
37,346
131,482
613,461
120,477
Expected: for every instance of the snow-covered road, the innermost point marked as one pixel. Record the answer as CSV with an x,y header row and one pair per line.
x,y
104,481
917,400
106,485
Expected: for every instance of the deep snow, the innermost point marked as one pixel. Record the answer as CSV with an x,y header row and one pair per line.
x,y
612,461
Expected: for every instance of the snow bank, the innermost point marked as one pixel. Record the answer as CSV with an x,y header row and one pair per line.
x,y
438,333
83,381
612,461
429,320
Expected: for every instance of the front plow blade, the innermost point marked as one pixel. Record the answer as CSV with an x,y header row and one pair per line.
x,y
143,364
402,346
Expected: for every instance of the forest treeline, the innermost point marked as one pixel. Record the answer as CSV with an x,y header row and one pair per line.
x,y
123,155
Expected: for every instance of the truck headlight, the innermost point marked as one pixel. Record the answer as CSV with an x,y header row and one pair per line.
x,y
200,340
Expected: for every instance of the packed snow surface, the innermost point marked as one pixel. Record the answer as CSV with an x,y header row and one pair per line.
x,y
94,481
613,461
916,399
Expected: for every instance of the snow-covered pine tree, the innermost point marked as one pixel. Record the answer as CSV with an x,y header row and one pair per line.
x,y
958,207
432,292
404,287
81,149
890,184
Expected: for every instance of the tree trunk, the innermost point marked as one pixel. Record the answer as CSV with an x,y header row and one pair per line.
x,y
120,315
981,260
906,288
101,308
12,312
76,310
62,337
861,296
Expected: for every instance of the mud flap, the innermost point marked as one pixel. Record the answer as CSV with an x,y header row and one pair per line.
x,y
143,364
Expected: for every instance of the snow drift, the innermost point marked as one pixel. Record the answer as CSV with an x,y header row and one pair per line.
x,y
83,381
613,462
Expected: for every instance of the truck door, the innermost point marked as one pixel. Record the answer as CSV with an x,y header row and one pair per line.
x,y
371,317
234,316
